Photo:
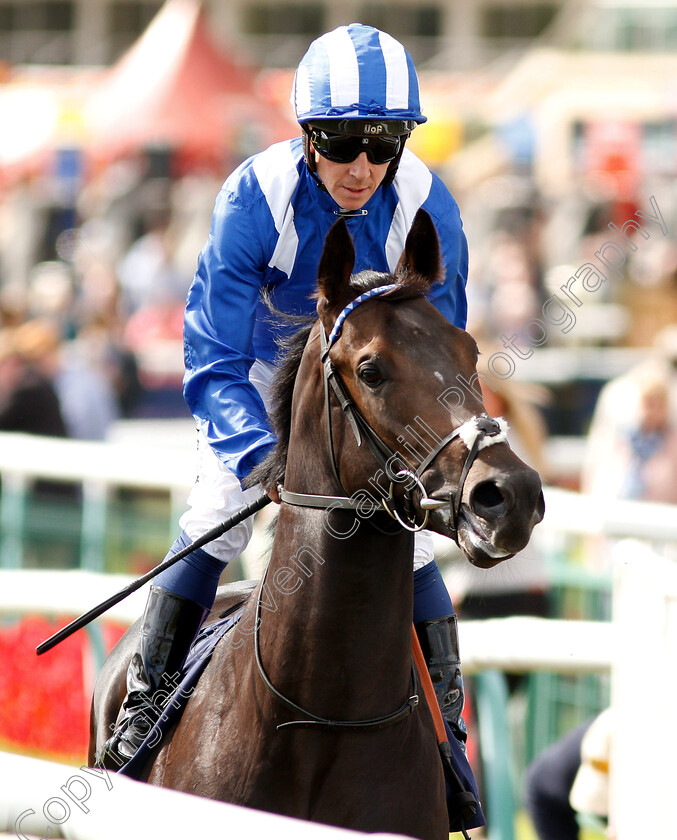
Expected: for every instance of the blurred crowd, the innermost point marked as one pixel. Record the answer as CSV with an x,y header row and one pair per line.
x,y
92,298
94,279
524,247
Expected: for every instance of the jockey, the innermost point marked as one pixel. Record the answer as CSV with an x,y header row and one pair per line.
x,y
356,97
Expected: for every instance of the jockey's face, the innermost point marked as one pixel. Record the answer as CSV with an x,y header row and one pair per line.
x,y
351,185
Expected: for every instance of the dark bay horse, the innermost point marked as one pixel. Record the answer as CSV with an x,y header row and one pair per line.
x,y
327,636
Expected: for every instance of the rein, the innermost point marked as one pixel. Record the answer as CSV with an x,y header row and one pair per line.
x,y
311,720
478,432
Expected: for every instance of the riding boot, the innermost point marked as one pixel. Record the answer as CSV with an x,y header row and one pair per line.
x,y
439,642
170,624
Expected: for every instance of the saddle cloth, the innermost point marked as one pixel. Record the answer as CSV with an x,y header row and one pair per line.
x,y
197,660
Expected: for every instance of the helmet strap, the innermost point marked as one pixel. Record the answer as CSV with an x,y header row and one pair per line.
x,y
309,155
394,164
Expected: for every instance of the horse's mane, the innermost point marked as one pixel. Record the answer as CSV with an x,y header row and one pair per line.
x,y
270,472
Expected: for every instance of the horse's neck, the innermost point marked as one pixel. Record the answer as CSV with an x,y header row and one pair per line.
x,y
336,614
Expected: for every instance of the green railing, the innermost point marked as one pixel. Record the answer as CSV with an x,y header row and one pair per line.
x,y
95,506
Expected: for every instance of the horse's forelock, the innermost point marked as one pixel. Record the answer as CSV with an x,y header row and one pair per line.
x,y
409,284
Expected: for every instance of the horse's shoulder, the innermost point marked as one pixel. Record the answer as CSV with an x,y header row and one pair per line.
x,y
230,596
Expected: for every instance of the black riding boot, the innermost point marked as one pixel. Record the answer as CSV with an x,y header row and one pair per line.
x,y
439,642
170,624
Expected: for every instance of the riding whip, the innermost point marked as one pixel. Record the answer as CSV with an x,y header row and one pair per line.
x,y
242,514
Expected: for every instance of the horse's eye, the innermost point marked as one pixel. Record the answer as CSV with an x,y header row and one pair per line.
x,y
370,375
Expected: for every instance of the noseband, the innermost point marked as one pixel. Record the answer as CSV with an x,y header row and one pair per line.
x,y
477,433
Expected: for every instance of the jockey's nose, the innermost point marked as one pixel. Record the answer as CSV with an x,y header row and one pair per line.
x,y
360,167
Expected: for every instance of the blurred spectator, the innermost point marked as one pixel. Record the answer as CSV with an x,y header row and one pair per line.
x,y
54,388
192,201
29,403
153,291
89,403
632,445
28,398
120,197
569,778
51,294
154,335
147,273
649,451
91,251
590,791
505,289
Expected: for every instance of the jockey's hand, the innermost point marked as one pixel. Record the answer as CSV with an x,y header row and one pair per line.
x,y
273,493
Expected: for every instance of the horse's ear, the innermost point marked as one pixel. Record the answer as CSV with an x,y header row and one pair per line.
x,y
336,266
421,251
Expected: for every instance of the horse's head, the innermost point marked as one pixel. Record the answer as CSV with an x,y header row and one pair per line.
x,y
400,361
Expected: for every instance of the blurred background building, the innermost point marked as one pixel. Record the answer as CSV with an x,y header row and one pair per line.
x,y
274,32
451,35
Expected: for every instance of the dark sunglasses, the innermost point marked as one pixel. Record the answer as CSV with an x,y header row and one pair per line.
x,y
344,148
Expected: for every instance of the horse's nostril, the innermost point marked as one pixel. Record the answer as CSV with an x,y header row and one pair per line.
x,y
539,511
486,497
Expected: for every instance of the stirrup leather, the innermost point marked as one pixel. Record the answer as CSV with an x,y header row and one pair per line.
x,y
439,642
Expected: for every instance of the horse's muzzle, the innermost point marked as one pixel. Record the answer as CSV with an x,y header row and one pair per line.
x,y
496,516
499,515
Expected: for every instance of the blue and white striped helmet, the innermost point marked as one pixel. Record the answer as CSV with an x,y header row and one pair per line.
x,y
356,72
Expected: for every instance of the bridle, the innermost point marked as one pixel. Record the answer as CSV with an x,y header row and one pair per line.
x,y
477,433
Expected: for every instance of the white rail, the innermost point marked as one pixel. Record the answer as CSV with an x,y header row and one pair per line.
x,y
643,690
576,513
30,457
45,799
69,593
99,467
